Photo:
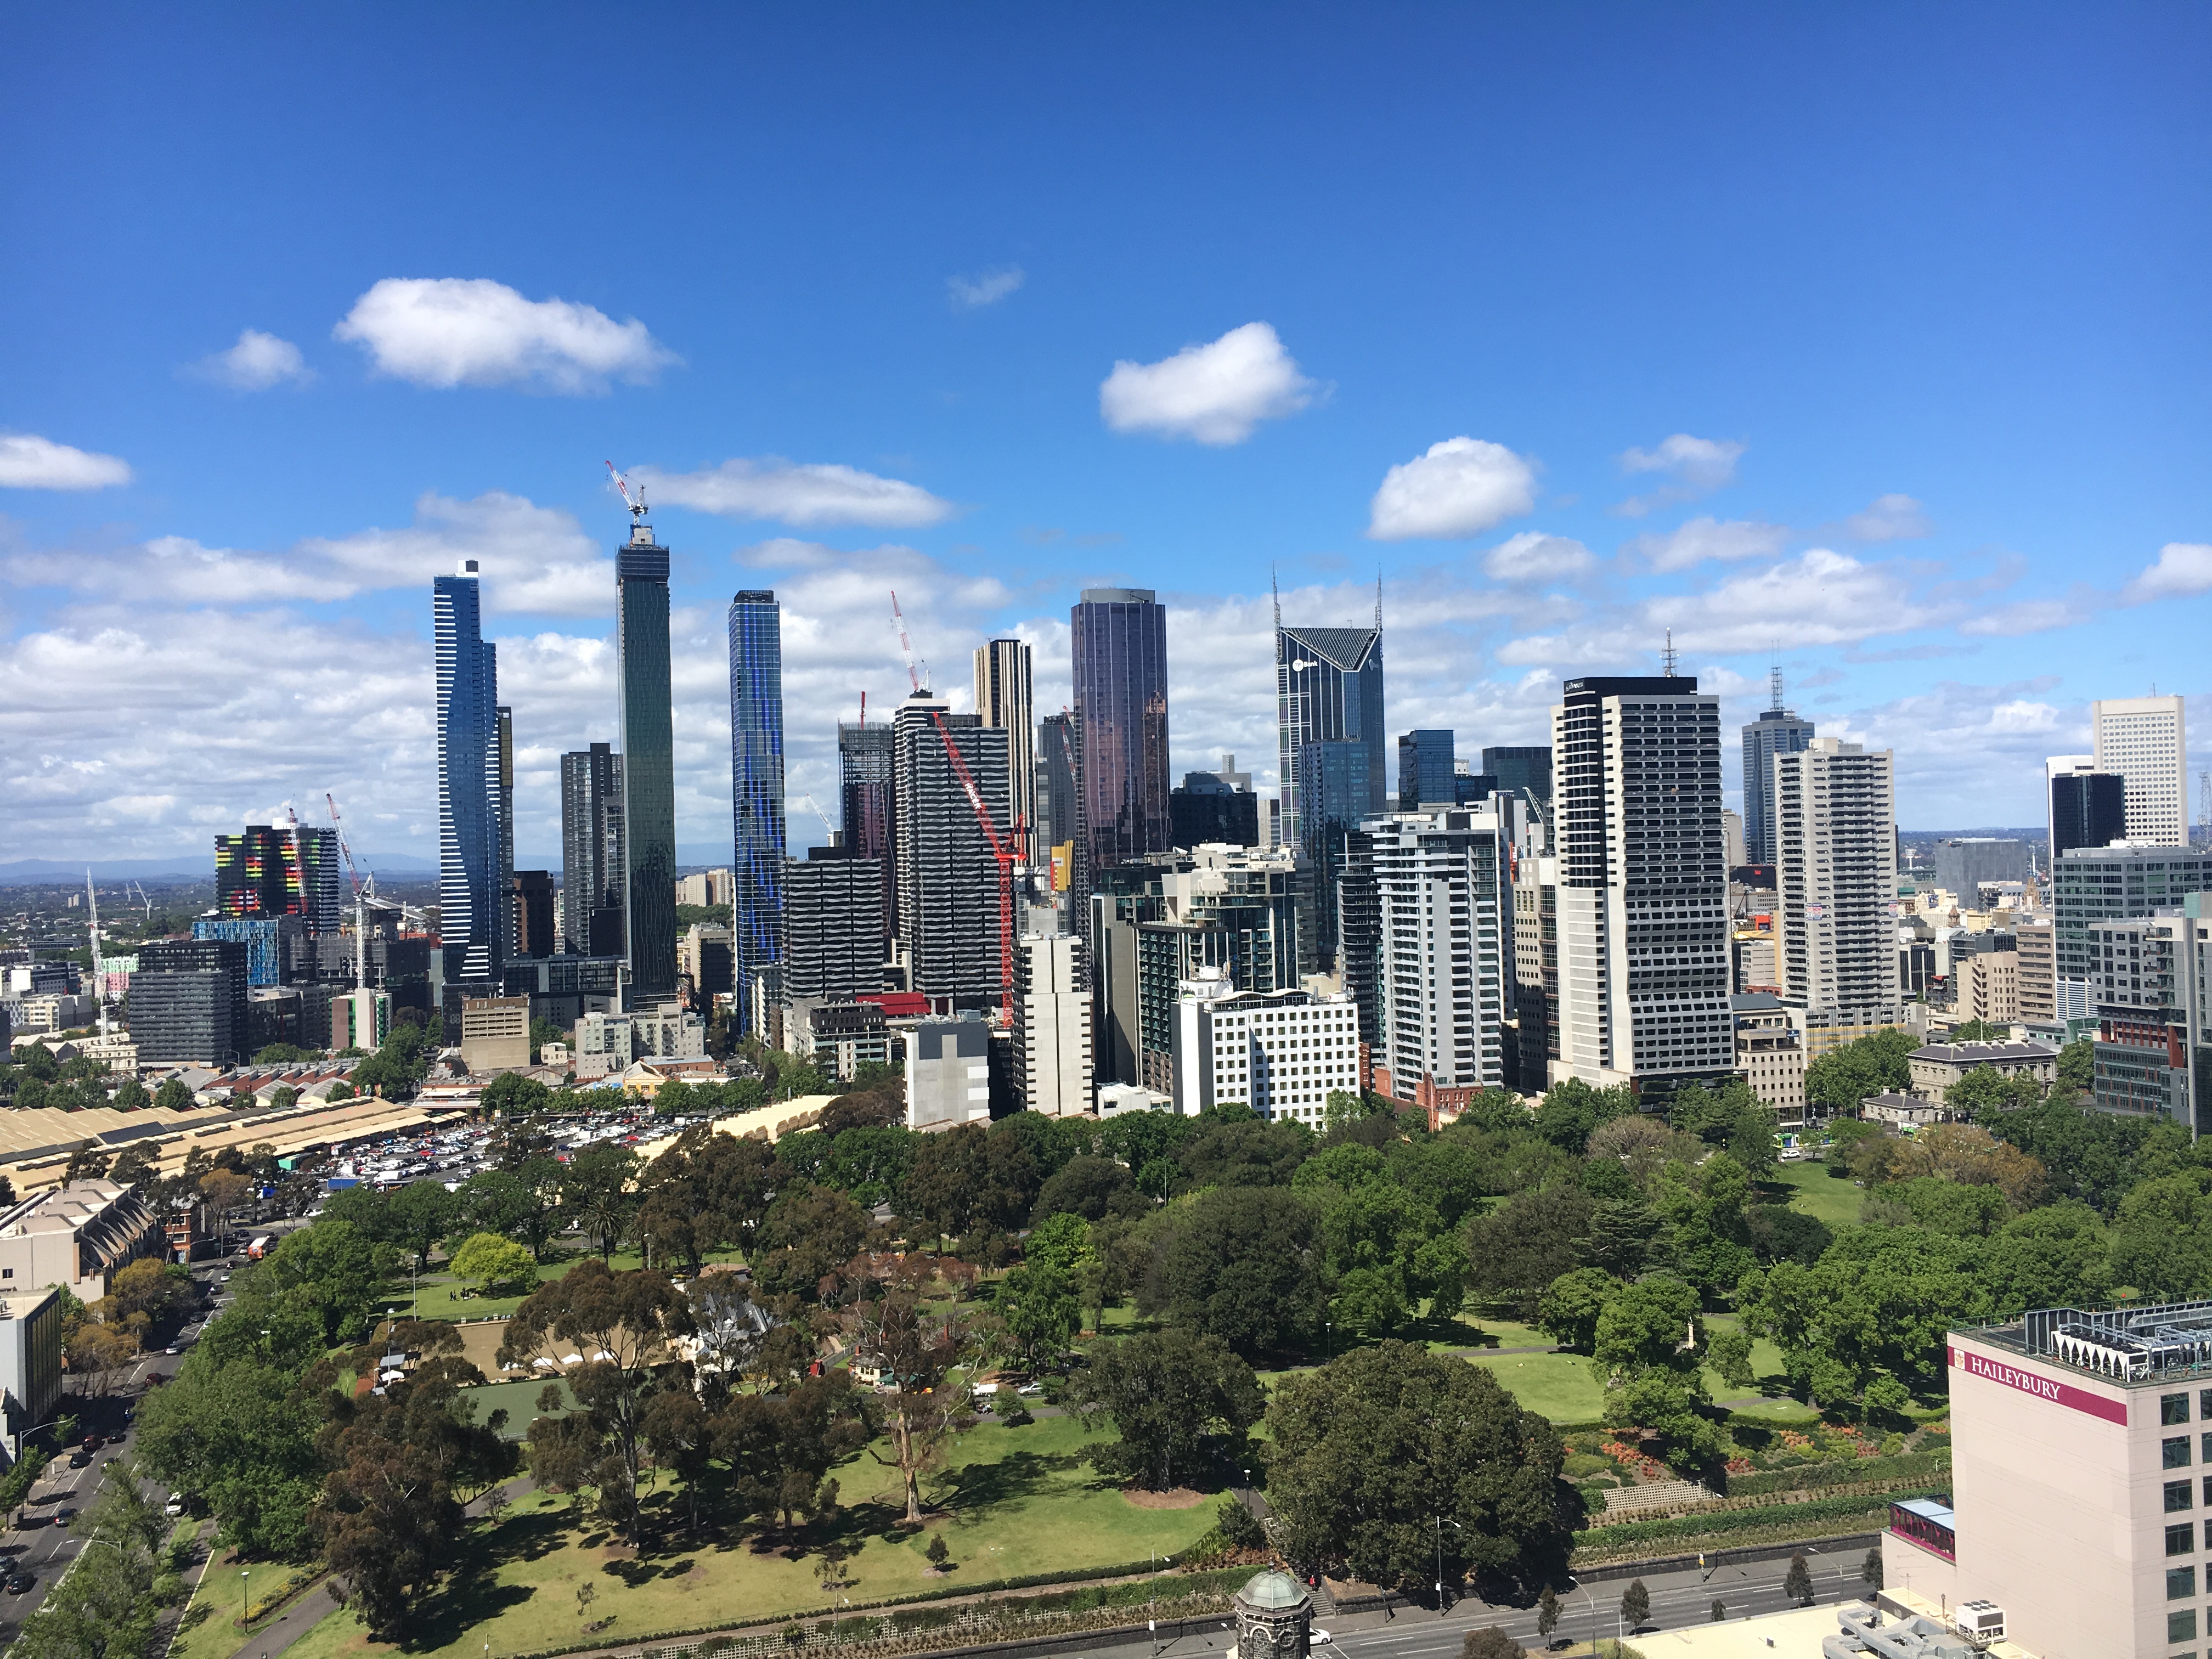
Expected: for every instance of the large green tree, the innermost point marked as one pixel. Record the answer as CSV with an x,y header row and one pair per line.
x,y
1374,1449
1176,1399
1245,1264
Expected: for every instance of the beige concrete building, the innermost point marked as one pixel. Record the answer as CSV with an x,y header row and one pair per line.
x,y
1988,987
2037,945
80,1235
495,1034
2077,1507
1769,1053
1935,1068
1836,867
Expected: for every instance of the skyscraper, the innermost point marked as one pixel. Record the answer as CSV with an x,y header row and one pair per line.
x,y
280,870
756,785
1060,795
948,877
1004,698
834,929
867,792
1425,771
1444,931
648,741
591,853
1835,817
2088,808
1524,771
1775,732
470,904
2146,741
1336,795
1328,688
1119,648
188,1002
510,920
1643,890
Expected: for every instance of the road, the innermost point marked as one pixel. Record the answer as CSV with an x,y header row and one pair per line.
x,y
1677,1598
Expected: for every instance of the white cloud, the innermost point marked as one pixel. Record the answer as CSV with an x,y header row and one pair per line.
x,y
256,362
810,495
1704,538
1888,519
450,330
1698,466
1214,394
2025,616
2181,568
1532,557
986,288
1461,487
1819,598
30,462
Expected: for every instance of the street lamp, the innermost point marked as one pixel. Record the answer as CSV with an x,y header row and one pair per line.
x,y
1455,1527
1590,1600
244,1573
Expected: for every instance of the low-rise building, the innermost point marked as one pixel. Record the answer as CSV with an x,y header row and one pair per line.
x,y
838,1038
948,1073
30,1356
80,1235
495,1034
1903,1111
1933,1069
1281,1052
1769,1052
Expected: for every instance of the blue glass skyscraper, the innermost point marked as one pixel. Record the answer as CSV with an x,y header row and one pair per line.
x,y
1777,730
1424,770
648,749
1328,688
469,905
756,786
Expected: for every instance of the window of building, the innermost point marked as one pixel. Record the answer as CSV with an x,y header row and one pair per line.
x,y
2175,1452
2177,1496
2181,1539
2181,1626
2180,1584
2173,1409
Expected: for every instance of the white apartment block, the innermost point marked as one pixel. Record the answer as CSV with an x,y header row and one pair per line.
x,y
1281,1052
1643,898
1052,1071
1836,876
1443,884
2145,740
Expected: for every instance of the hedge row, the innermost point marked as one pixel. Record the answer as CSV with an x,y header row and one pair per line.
x,y
1904,1468
1710,1522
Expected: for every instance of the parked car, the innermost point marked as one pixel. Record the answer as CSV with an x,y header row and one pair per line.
x,y
20,1582
174,1508
65,1515
79,1459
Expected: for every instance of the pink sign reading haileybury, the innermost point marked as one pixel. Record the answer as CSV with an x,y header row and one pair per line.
x,y
2044,1388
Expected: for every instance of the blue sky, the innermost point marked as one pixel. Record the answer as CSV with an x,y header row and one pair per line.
x,y
1880,335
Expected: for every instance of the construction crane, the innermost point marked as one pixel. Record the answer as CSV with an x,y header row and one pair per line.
x,y
807,801
999,850
99,981
635,504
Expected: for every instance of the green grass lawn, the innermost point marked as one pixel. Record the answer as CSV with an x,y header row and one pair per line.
x,y
1558,1386
218,1636
1014,1502
1818,1194
518,1400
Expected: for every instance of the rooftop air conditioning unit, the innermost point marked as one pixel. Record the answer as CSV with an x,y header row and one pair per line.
x,y
1980,1622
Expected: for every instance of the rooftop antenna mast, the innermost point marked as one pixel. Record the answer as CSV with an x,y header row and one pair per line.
x,y
2204,805
1774,684
1378,603
1276,588
1667,658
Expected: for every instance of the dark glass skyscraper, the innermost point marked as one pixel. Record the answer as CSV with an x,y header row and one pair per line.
x,y
470,904
868,801
1119,648
2087,809
591,856
757,787
1336,785
1424,770
1518,770
1775,732
509,919
648,746
1328,688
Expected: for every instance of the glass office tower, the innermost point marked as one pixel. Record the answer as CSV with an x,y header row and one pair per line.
x,y
867,796
755,789
1329,690
592,859
1425,771
1777,730
649,744
1119,651
469,902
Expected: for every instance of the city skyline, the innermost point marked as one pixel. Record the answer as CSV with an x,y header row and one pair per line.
x,y
1164,372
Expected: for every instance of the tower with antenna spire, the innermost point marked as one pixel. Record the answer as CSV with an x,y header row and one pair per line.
x,y
1776,731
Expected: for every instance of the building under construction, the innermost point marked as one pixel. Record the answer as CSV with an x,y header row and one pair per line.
x,y
948,877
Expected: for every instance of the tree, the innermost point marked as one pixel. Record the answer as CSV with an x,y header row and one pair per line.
x,y
2077,1066
1088,1187
130,1095
595,1195
88,1162
939,1552
1244,1152
1547,1613
519,1202
1238,1525
1797,1582
15,1486
1167,1392
223,1191
918,1355
493,1262
619,1322
1870,1569
512,1094
1572,1110
417,1216
1635,1605
1729,1352
1037,1304
240,1435
1491,1643
1515,1252
97,1352
172,1096
808,1236
1243,1264
783,1446
1372,1448
1573,1305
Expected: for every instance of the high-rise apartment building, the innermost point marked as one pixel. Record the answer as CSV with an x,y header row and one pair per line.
x,y
470,907
1060,799
1329,690
2116,883
592,861
648,737
280,870
1005,698
1052,1026
1426,773
1359,934
1524,771
510,922
867,793
1835,828
533,913
188,1002
2150,981
1535,969
1775,732
2146,741
756,908
2088,808
833,927
948,877
1643,890
1283,1053
1443,880
1118,649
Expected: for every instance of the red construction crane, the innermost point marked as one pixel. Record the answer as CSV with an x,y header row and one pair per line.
x,y
999,850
